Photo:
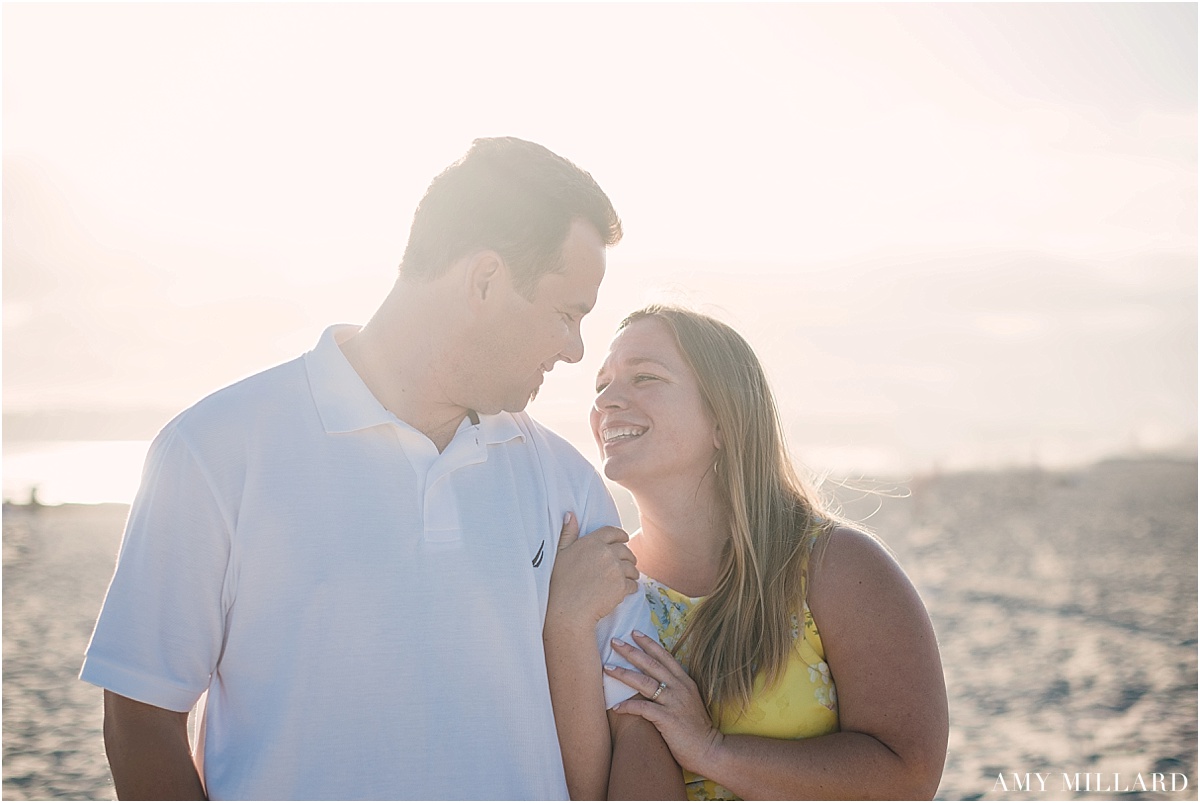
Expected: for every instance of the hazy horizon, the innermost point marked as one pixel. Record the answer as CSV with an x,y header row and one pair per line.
x,y
1078,372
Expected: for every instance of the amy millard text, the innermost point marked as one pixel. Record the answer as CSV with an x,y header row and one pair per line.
x,y
1090,782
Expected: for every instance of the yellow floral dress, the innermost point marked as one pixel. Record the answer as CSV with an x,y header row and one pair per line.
x,y
802,704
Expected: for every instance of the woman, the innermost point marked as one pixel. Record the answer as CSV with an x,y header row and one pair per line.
x,y
799,661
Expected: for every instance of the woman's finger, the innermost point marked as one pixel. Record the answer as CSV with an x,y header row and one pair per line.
x,y
623,552
642,684
641,660
610,535
656,652
642,708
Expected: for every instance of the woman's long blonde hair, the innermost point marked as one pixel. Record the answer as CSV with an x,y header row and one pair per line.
x,y
744,627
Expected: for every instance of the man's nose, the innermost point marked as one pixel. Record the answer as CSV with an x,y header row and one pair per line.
x,y
573,351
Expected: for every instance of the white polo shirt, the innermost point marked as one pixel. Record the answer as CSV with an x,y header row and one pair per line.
x,y
364,612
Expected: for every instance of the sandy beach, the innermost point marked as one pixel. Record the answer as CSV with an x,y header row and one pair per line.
x,y
1065,605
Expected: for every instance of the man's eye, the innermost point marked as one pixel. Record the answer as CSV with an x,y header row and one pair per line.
x,y
600,388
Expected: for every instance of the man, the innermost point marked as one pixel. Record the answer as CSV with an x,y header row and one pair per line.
x,y
349,555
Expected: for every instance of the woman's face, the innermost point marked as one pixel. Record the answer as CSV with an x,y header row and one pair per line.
x,y
649,419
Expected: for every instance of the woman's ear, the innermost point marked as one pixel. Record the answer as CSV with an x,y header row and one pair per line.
x,y
717,437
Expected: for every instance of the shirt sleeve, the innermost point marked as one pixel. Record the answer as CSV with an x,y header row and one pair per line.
x,y
632,614
161,628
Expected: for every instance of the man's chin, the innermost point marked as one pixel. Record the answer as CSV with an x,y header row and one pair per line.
x,y
510,406
519,404
519,407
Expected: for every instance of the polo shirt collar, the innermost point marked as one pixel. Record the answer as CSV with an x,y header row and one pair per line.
x,y
343,400
499,428
345,404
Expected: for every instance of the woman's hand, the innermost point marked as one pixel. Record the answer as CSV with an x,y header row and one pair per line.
x,y
591,574
672,701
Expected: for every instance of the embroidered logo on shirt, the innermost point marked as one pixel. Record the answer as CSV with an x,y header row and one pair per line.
x,y
537,559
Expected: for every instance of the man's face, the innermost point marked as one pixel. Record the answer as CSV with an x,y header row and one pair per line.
x,y
525,338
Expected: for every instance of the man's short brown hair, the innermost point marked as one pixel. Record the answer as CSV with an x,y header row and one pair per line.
x,y
512,196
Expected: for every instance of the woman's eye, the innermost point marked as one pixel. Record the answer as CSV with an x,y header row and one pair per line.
x,y
644,377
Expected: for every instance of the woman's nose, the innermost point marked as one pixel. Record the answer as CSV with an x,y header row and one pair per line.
x,y
609,398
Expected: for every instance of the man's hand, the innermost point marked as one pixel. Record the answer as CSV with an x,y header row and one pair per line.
x,y
591,575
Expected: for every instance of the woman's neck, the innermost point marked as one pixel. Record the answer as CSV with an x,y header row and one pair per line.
x,y
683,535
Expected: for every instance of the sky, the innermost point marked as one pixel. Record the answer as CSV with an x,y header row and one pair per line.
x,y
958,235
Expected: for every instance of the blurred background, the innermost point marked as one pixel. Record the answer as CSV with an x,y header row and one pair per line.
x,y
959,235
962,238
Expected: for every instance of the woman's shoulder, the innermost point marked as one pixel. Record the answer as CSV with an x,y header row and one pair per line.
x,y
836,541
858,586
848,561
846,541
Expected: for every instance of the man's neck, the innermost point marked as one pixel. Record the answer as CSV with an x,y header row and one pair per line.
x,y
396,355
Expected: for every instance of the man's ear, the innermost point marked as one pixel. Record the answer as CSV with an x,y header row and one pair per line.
x,y
485,272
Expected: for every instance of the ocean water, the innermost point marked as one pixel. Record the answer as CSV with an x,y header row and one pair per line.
x,y
93,471
86,472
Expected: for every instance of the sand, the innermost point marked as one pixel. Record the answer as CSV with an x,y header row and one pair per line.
x,y
57,563
1065,605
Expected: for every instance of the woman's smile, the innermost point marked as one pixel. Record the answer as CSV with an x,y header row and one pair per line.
x,y
618,434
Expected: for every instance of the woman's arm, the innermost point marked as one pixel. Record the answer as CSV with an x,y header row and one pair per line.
x,y
642,766
591,576
621,757
577,695
884,659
